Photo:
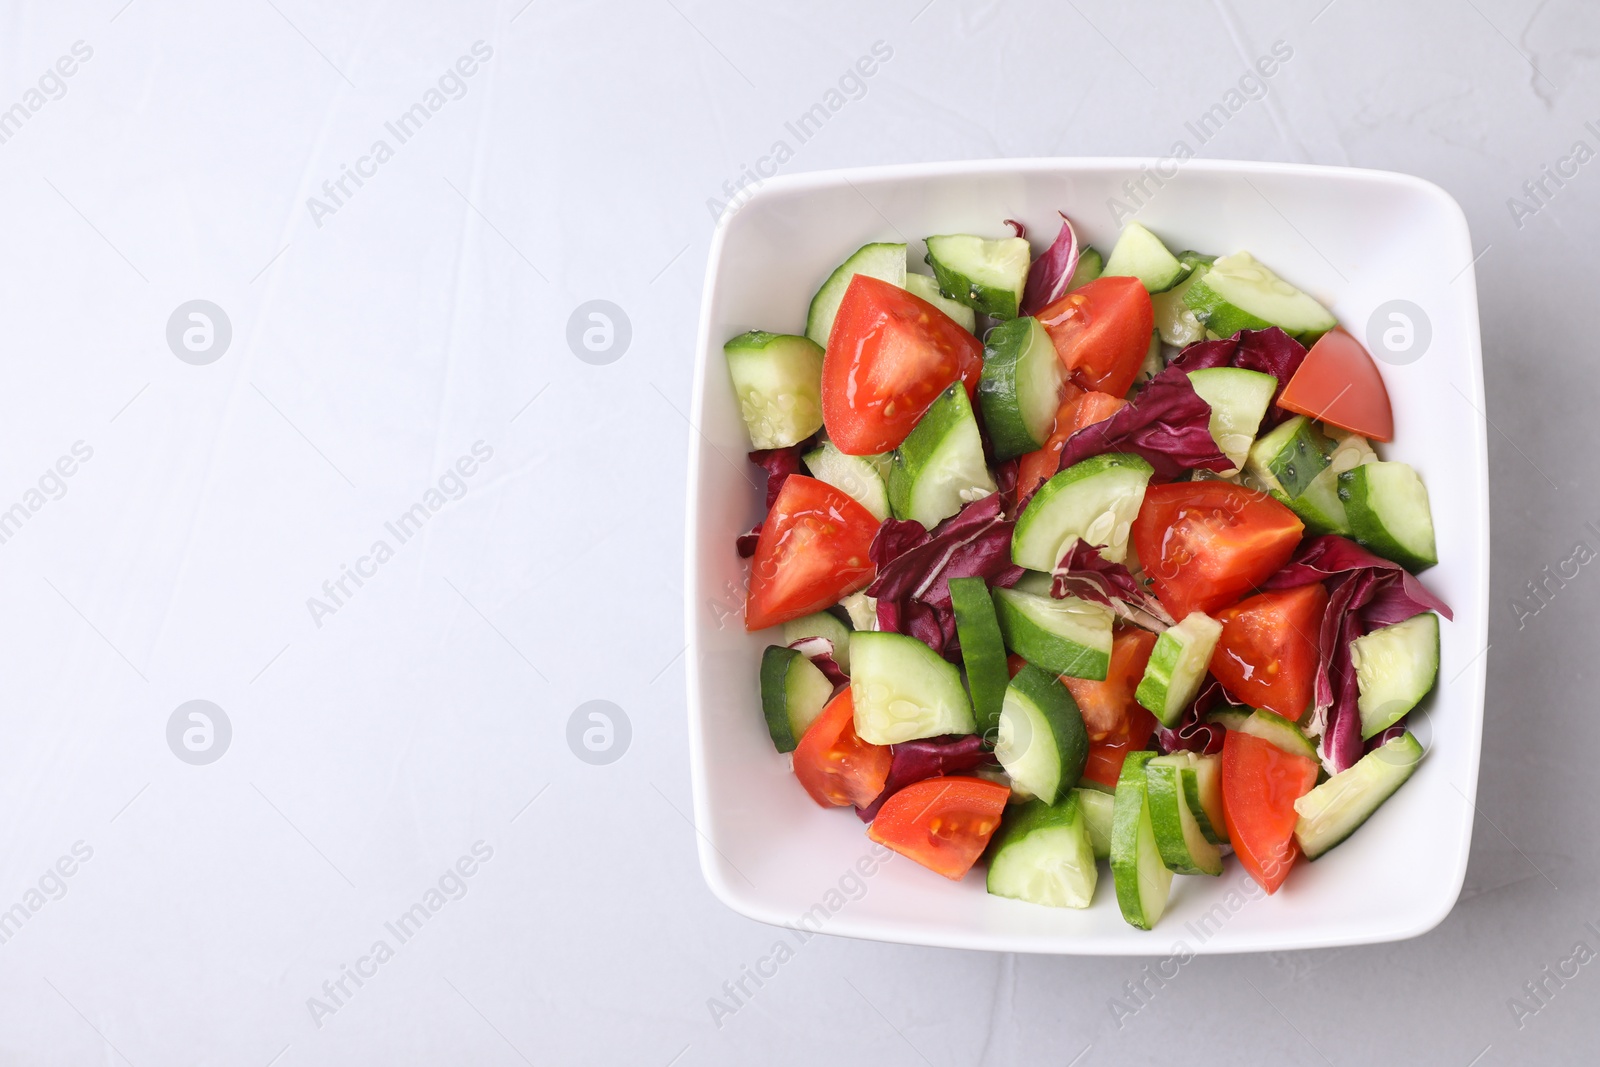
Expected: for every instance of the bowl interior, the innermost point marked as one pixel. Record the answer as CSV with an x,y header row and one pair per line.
x,y
1355,240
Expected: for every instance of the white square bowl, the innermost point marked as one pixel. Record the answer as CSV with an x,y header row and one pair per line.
x,y
1355,239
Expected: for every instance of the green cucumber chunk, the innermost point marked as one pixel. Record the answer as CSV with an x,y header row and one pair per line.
x,y
904,690
793,693
778,380
1091,264
939,468
1177,667
1140,254
856,475
1142,880
1335,809
1395,667
983,650
1096,500
1067,636
1241,293
986,275
1239,400
826,625
1155,361
1275,729
1020,387
1175,319
1044,855
1388,509
1202,786
927,288
1184,848
1290,456
1042,742
1099,807
880,260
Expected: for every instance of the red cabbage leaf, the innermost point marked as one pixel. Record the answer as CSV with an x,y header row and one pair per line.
x,y
913,761
1166,422
819,650
779,463
1084,573
1193,733
915,567
1051,272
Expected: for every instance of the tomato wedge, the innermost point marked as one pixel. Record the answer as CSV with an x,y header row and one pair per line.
x,y
1104,764
1260,783
889,357
942,823
1206,544
1339,383
1110,713
1267,654
1078,409
834,765
812,551
1102,332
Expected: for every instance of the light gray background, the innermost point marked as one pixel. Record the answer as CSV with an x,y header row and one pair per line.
x,y
429,312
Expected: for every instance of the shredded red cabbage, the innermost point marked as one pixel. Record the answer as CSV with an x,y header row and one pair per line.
x,y
1365,592
1193,733
779,463
915,567
1166,422
819,650
1084,573
1051,273
1270,351
1017,228
913,761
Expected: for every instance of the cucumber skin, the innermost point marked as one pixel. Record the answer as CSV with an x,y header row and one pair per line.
x,y
1404,751
748,359
992,300
1028,640
776,663
1003,382
1067,731
1367,526
1023,820
1129,820
825,304
983,650
949,414
1164,786
1061,482
1091,264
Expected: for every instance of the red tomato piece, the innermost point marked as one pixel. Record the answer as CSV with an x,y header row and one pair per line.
x,y
1110,713
889,357
832,762
942,823
1339,383
1015,663
812,551
1267,654
1260,783
1102,332
1104,764
1206,544
1078,409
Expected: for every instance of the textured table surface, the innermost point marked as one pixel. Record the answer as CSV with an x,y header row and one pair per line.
x,y
378,504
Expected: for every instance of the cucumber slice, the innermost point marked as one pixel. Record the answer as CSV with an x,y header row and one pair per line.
x,y
1238,400
1095,500
983,650
825,625
1177,667
1091,264
987,276
939,467
927,288
1098,806
1175,320
1387,505
1020,387
1335,809
1230,718
1289,457
1154,363
904,690
1140,254
1184,848
863,612
1042,741
1202,788
1067,636
778,380
856,475
1275,729
1395,668
1044,855
1241,293
881,260
1142,880
793,693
